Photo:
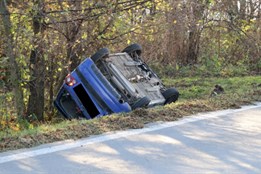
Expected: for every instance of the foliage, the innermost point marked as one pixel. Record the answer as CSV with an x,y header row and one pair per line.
x,y
180,39
210,68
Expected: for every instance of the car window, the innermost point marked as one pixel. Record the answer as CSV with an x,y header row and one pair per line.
x,y
69,105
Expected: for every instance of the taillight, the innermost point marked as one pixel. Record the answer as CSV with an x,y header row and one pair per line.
x,y
69,80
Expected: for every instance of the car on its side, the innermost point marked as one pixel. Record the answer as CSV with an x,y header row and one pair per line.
x,y
111,83
87,93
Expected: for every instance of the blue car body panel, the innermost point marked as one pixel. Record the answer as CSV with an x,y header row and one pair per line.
x,y
100,97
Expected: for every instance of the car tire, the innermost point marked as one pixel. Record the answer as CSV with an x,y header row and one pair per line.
x,y
133,48
102,53
143,102
171,95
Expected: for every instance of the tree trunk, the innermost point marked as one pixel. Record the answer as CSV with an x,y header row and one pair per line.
x,y
242,9
195,14
193,46
37,66
15,74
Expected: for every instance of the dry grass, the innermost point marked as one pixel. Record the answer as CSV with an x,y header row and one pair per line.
x,y
194,98
134,120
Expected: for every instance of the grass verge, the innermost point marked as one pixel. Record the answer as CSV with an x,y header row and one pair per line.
x,y
194,98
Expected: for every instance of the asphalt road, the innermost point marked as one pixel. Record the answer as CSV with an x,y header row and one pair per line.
x,y
220,142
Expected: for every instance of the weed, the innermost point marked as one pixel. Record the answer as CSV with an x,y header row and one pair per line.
x,y
194,98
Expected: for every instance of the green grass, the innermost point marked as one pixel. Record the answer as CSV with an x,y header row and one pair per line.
x,y
194,98
200,88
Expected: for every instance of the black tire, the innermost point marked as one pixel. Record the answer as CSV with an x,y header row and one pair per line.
x,y
133,48
143,102
171,95
103,52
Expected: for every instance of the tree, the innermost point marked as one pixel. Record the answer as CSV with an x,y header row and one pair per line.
x,y
37,63
15,75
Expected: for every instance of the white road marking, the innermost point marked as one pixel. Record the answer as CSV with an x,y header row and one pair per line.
x,y
102,138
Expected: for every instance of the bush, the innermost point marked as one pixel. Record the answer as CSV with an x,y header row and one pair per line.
x,y
214,66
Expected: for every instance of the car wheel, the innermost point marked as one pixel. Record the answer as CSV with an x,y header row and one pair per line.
x,y
171,95
143,102
133,48
104,52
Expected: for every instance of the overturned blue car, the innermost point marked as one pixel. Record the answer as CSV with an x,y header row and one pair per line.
x,y
111,83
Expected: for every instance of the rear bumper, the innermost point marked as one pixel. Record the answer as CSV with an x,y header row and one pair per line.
x,y
102,94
